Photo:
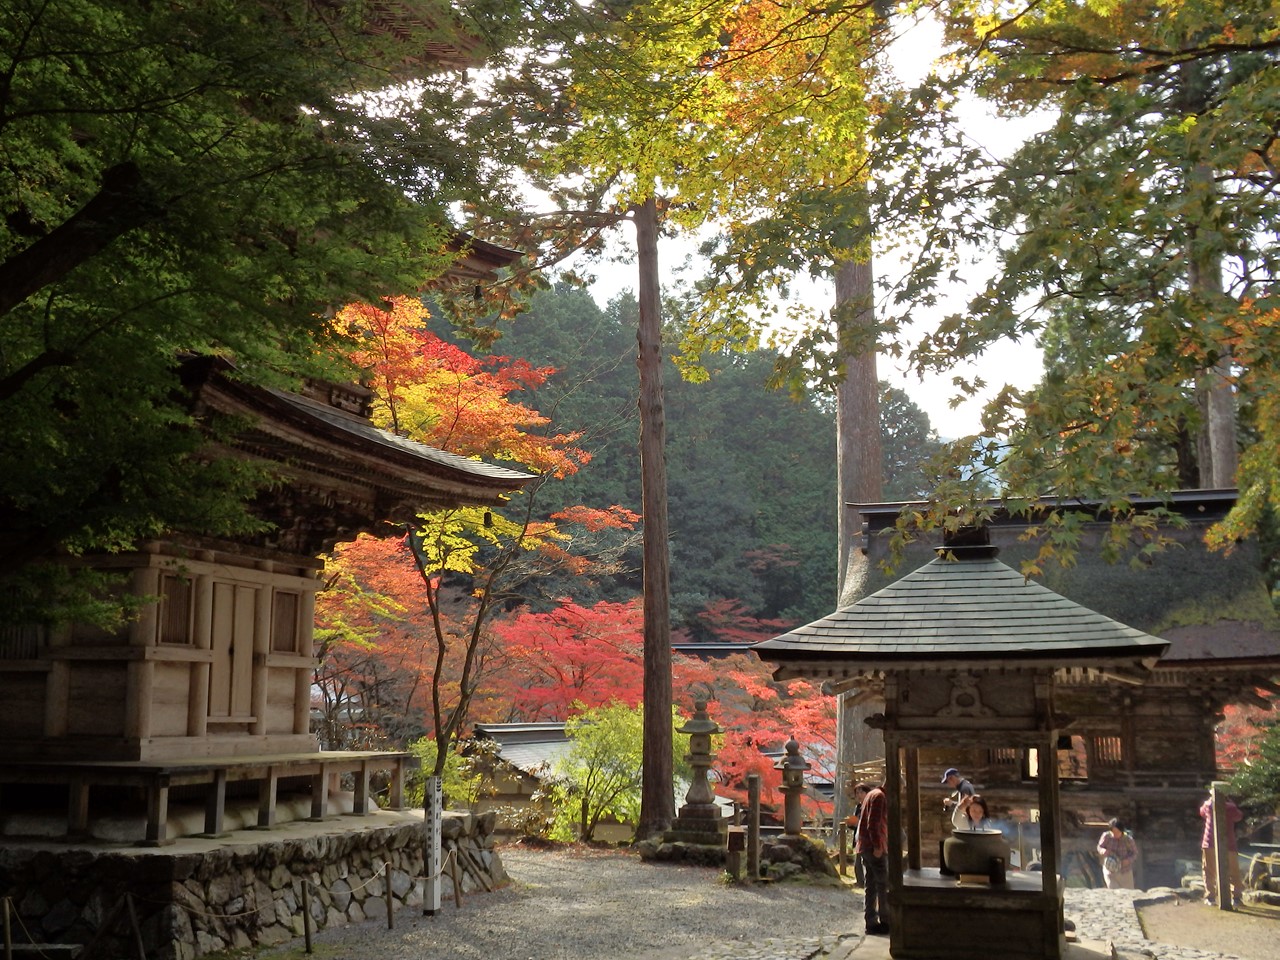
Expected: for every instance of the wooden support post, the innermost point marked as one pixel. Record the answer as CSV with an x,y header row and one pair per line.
x,y
215,804
319,793
262,627
8,932
396,788
893,789
267,790
202,634
1222,852
360,803
158,811
912,811
78,807
842,843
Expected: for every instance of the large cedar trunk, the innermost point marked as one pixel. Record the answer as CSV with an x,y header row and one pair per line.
x,y
657,796
860,468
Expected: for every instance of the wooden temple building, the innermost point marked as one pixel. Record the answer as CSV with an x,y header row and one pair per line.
x,y
207,693
212,682
1140,749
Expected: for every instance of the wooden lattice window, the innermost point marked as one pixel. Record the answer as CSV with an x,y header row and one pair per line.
x,y
284,622
1108,751
1008,757
175,609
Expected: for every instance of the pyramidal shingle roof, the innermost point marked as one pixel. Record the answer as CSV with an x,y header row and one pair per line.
x,y
962,610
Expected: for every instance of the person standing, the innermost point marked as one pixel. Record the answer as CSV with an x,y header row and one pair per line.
x,y
860,791
960,787
1119,852
873,855
1209,855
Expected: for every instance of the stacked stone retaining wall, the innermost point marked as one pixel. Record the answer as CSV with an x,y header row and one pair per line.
x,y
232,895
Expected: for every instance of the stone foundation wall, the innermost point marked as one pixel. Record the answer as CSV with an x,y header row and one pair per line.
x,y
234,895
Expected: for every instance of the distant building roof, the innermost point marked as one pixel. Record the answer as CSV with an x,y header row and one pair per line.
x,y
532,748
705,651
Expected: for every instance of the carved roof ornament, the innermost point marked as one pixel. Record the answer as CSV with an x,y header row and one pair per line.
x,y
966,698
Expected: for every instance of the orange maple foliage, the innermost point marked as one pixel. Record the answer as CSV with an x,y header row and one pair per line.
x,y
1237,737
577,657
378,647
435,392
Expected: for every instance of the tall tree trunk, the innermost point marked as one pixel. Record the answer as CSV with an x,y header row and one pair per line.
x,y
1216,449
861,480
860,464
657,791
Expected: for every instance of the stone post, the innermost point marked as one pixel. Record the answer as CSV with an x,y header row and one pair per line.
x,y
793,767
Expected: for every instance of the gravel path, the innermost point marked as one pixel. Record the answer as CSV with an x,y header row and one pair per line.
x,y
587,904
593,904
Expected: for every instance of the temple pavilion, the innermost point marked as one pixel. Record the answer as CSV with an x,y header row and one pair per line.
x,y
966,652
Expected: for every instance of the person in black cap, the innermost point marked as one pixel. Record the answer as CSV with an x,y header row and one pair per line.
x,y
960,786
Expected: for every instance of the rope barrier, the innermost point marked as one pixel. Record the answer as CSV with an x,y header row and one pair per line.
x,y
443,863
8,947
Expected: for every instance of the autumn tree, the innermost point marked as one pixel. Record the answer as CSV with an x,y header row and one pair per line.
x,y
198,178
758,715
1135,235
571,658
455,566
558,665
1257,778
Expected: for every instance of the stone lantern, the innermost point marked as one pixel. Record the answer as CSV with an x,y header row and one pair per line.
x,y
793,767
699,820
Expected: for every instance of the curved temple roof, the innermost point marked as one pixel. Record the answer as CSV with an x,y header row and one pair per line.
x,y
958,610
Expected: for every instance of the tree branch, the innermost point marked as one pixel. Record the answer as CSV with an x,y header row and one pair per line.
x,y
117,208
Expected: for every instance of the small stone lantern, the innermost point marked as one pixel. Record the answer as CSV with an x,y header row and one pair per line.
x,y
793,767
699,820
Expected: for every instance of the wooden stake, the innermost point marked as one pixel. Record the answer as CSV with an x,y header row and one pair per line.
x,y
391,913
457,880
137,931
306,914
